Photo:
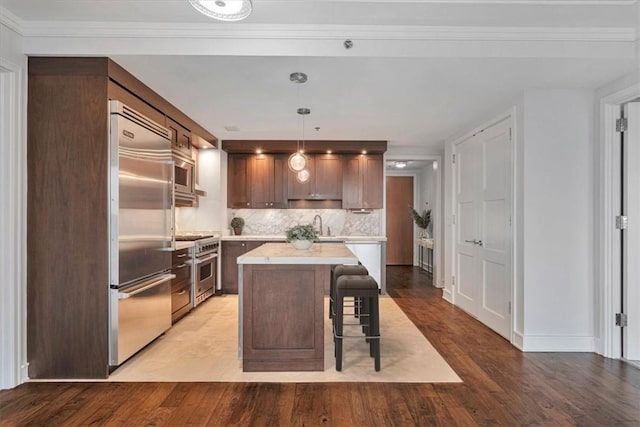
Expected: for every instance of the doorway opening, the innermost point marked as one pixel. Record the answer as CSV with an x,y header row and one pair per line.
x,y
424,173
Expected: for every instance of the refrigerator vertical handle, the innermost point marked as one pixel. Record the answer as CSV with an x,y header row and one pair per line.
x,y
172,192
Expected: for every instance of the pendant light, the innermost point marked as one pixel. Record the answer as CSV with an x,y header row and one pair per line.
x,y
303,175
297,161
224,10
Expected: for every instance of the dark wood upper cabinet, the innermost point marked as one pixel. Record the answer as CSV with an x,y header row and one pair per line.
x,y
268,181
257,181
180,137
238,181
363,182
325,182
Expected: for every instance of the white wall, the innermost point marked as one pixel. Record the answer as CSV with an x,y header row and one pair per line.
x,y
558,220
210,215
13,215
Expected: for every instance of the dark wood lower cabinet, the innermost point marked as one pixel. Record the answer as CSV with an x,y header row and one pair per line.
x,y
283,317
231,250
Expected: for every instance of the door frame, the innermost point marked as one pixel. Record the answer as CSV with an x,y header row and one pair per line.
x,y
609,256
437,215
451,202
13,161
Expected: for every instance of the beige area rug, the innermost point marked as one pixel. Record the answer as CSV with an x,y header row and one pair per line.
x,y
203,347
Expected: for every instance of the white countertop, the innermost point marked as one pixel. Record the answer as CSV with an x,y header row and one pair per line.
x,y
281,238
184,245
285,253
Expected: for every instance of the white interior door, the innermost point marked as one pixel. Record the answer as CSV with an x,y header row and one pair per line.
x,y
483,232
631,236
468,162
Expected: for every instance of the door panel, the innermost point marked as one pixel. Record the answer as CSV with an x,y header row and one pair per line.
x,y
399,222
631,236
483,233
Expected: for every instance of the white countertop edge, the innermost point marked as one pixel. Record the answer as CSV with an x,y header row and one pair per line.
x,y
282,238
296,260
184,245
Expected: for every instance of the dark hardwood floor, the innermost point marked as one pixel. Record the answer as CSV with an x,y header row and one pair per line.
x,y
501,386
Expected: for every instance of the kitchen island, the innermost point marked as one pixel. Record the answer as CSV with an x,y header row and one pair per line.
x,y
281,298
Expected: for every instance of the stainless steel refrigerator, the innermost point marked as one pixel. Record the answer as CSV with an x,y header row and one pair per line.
x,y
141,231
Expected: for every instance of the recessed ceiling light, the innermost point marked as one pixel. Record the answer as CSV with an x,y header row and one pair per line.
x,y
224,10
232,128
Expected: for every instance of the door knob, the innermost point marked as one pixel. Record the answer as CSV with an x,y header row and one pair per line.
x,y
479,243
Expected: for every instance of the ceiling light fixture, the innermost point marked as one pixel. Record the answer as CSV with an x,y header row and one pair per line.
x,y
297,161
224,10
400,165
303,174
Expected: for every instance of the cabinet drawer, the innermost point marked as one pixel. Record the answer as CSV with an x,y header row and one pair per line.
x,y
180,256
180,297
182,272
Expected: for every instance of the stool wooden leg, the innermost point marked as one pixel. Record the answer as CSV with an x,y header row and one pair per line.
x,y
338,330
374,330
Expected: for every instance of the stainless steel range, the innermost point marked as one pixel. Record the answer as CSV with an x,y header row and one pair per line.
x,y
205,265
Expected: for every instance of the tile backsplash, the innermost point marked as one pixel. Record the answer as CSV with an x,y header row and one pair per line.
x,y
276,221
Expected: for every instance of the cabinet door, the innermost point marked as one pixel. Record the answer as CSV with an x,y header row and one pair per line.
x,y
280,182
301,190
180,137
352,183
373,178
230,252
328,177
238,181
262,180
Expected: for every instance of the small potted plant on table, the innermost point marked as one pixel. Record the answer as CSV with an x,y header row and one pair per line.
x,y
301,236
237,223
422,220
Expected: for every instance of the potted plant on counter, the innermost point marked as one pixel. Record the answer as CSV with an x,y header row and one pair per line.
x,y
237,223
301,236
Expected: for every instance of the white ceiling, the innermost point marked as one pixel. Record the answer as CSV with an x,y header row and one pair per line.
x,y
419,72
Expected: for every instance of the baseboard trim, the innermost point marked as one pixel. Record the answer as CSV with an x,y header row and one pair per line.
x,y
517,340
446,295
543,343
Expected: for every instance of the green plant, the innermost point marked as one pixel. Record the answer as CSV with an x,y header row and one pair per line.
x,y
423,219
237,222
302,232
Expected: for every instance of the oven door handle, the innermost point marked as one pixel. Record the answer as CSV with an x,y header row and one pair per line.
x,y
206,259
162,279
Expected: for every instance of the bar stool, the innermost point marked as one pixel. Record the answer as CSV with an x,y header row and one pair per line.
x,y
342,270
365,289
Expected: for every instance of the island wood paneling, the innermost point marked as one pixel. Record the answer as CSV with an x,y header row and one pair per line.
x,y
67,227
283,320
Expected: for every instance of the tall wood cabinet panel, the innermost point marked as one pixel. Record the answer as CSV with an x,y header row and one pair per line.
x,y
67,223
325,182
68,212
363,182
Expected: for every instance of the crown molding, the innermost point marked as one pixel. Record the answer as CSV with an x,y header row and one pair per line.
x,y
10,20
319,32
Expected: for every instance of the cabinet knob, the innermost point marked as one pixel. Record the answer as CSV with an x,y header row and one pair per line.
x,y
248,204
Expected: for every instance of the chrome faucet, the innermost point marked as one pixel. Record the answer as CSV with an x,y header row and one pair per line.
x,y
314,223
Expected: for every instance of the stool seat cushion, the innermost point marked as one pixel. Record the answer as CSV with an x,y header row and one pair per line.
x,y
343,270
356,282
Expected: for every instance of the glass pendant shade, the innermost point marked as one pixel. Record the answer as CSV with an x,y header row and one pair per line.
x,y
303,176
224,10
297,162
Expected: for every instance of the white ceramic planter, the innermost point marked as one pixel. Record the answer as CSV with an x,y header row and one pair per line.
x,y
301,245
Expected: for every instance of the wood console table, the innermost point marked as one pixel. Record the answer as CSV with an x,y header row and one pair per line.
x,y
281,305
